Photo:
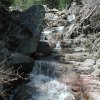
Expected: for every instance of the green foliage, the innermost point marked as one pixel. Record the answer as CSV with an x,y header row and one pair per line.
x,y
52,3
68,3
6,2
25,4
62,4
59,4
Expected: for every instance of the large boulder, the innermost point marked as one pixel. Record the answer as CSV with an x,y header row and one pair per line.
x,y
21,62
4,52
28,28
24,92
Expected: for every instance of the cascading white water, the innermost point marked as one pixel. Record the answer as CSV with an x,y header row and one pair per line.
x,y
48,88
57,48
44,84
58,45
44,34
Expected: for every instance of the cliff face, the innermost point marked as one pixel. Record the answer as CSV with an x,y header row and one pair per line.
x,y
19,38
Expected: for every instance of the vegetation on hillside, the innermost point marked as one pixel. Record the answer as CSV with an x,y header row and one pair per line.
x,y
25,4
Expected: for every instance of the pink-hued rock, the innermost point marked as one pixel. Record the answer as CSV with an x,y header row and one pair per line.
x,y
93,87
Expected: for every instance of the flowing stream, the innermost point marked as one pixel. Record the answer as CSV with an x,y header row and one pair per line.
x,y
44,81
44,84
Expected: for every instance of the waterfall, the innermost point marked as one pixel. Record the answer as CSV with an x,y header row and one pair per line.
x,y
44,34
58,45
49,88
44,84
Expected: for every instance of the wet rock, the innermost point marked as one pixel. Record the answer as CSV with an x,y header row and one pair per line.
x,y
23,62
24,92
44,48
96,73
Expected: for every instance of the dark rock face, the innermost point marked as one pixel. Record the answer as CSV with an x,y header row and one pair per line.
x,y
44,49
24,92
23,62
28,29
20,37
4,53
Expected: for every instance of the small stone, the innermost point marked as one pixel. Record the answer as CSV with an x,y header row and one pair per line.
x,y
89,62
79,49
98,62
95,67
84,68
96,73
76,56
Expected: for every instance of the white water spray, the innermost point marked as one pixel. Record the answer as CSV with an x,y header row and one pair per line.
x,y
48,88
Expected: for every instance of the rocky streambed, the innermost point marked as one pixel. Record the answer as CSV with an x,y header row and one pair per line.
x,y
67,57
69,72
59,77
